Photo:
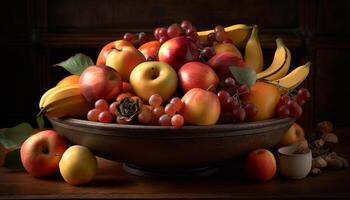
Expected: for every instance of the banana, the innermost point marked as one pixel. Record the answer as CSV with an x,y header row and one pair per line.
x,y
237,33
253,56
294,78
280,64
64,101
58,92
75,106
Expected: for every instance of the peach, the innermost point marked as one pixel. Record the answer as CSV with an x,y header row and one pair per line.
x,y
100,82
150,50
69,80
265,97
202,107
260,165
41,153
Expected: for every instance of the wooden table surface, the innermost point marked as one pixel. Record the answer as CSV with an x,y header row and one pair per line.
x,y
112,182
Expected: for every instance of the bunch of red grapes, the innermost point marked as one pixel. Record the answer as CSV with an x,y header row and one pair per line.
x,y
219,35
162,34
290,105
168,115
101,112
233,109
137,39
152,114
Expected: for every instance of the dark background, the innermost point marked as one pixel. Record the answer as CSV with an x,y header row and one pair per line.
x,y
36,34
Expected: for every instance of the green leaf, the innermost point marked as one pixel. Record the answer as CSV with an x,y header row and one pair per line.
x,y
244,75
76,64
13,160
40,121
15,136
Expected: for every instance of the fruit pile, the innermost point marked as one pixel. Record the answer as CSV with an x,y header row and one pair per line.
x,y
181,77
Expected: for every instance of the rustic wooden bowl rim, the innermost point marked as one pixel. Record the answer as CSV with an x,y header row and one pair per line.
x,y
188,131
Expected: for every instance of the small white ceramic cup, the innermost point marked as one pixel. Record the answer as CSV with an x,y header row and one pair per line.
x,y
294,166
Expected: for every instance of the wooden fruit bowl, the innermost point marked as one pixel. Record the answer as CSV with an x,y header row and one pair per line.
x,y
162,148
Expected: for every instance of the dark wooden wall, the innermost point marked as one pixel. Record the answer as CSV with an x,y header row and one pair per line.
x,y
39,33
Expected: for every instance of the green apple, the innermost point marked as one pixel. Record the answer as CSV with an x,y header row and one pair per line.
x,y
154,77
78,165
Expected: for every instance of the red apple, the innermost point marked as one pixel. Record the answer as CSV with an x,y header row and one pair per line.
x,y
177,51
202,107
100,82
197,75
101,59
222,61
42,152
150,50
260,165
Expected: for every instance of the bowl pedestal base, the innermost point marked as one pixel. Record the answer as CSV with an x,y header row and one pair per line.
x,y
174,172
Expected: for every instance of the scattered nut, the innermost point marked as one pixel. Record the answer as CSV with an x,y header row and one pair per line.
x,y
330,137
319,162
319,142
335,164
330,156
315,171
317,148
345,162
324,127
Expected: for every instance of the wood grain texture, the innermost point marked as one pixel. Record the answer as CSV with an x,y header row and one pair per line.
x,y
112,182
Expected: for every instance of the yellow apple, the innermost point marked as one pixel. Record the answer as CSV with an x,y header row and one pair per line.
x,y
224,47
101,59
153,77
78,165
124,59
294,134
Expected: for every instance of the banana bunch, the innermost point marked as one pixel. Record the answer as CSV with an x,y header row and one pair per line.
x,y
237,33
64,101
276,73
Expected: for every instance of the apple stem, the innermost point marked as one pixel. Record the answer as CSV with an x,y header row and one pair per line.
x,y
117,48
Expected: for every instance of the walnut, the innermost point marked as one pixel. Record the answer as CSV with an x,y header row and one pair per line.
x,y
319,162
317,148
324,127
335,164
345,162
330,137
